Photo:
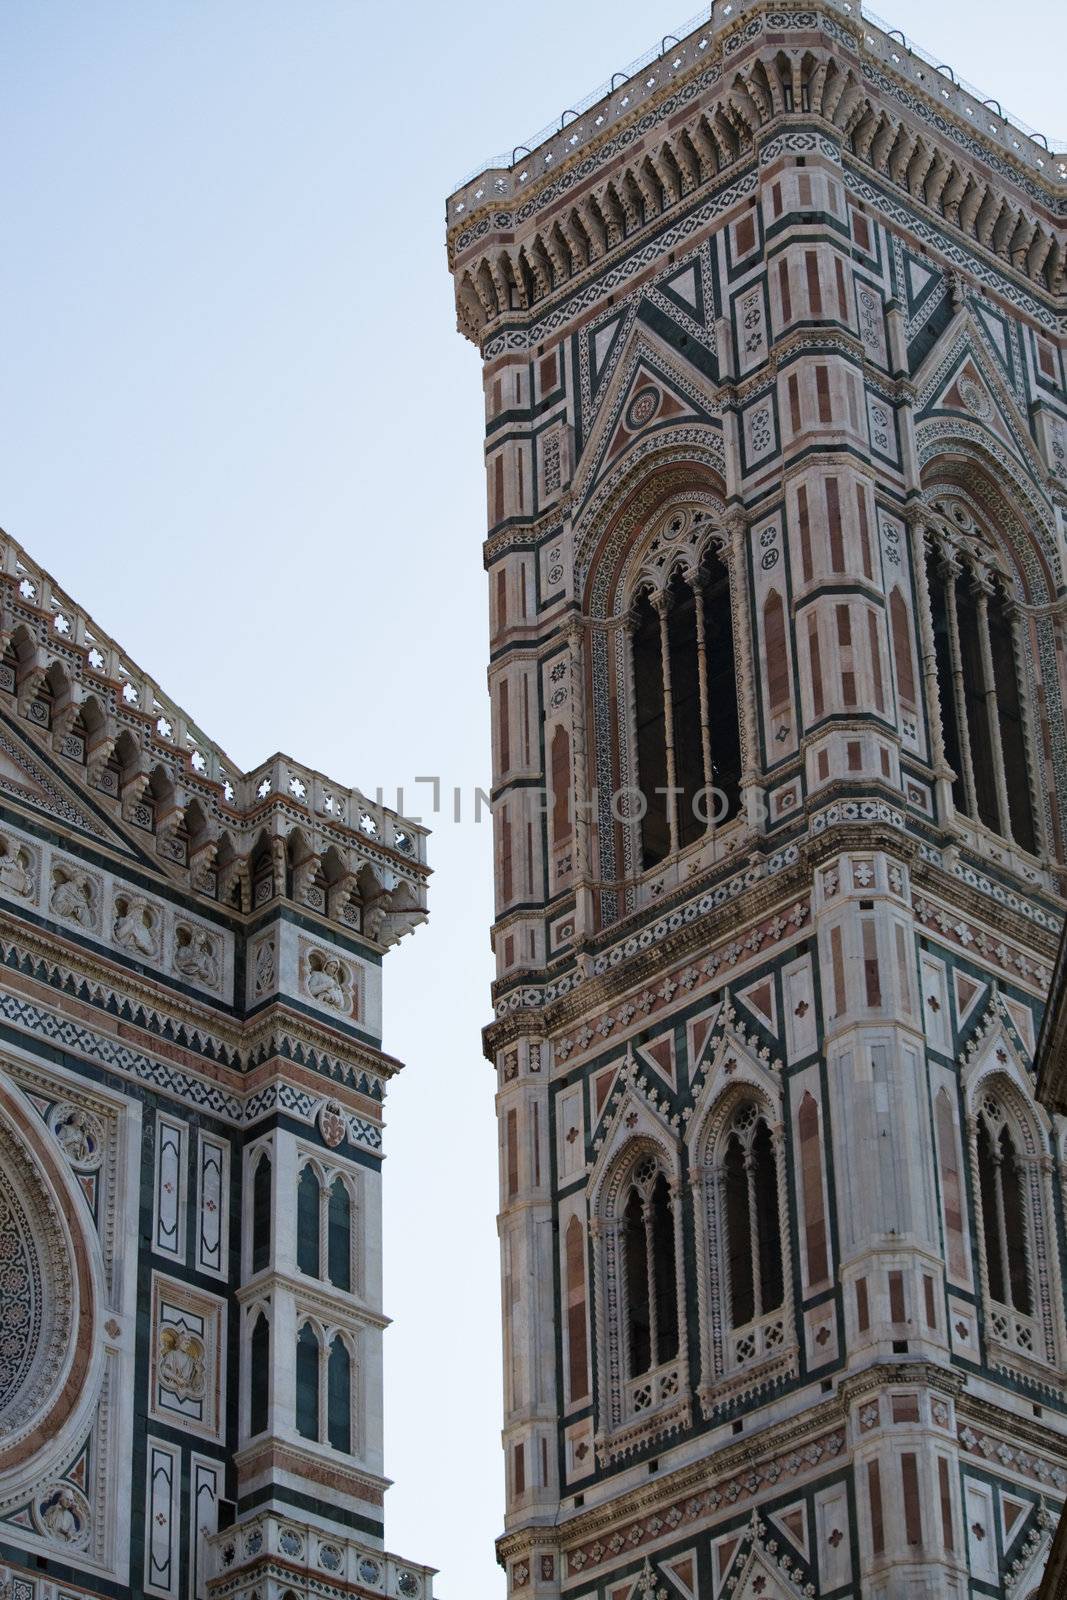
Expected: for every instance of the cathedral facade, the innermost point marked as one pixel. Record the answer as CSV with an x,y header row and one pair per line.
x,y
776,448
191,1102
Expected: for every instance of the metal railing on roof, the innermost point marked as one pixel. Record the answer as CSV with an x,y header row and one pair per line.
x,y
716,15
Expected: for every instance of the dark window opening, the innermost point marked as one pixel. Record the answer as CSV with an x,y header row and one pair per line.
x,y
651,1292
339,1396
754,1246
637,1286
695,745
339,1235
260,1375
261,1215
307,1223
307,1383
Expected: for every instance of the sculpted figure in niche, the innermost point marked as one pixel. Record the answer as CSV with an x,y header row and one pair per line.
x,y
327,980
16,876
196,956
181,1368
63,1517
135,926
74,897
79,1134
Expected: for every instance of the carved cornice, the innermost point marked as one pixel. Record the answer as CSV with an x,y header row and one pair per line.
x,y
112,736
589,994
714,114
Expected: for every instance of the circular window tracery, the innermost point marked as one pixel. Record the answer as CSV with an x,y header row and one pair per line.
x,y
36,1291
50,1362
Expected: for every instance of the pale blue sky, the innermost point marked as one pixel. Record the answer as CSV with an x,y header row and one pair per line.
x,y
238,426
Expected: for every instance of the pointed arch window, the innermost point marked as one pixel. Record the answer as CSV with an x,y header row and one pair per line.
x,y
979,657
651,1291
642,1386
1019,1267
339,1395
743,1287
339,1235
259,1375
753,1232
307,1382
687,728
262,1190
308,1197
1004,1228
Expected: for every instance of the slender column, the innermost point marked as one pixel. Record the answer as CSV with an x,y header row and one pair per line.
x,y
989,696
661,602
958,696
323,1396
753,1234
650,1271
928,651
735,554
1002,1228
696,583
1018,654
628,732
580,789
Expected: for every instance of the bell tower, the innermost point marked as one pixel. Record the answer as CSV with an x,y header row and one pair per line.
x,y
776,446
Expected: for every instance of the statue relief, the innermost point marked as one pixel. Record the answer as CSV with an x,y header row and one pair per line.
x,y
79,1133
328,980
137,925
196,956
181,1368
63,1516
74,896
16,869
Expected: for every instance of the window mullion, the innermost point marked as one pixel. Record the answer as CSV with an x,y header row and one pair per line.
x,y
650,1271
324,1385
578,754
958,691
989,696
753,1233
1002,1227
661,602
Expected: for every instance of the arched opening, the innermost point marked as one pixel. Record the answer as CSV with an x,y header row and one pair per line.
x,y
685,693
307,1382
261,1214
1005,1232
978,645
751,1215
259,1375
308,1200
651,1294
339,1236
339,1396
